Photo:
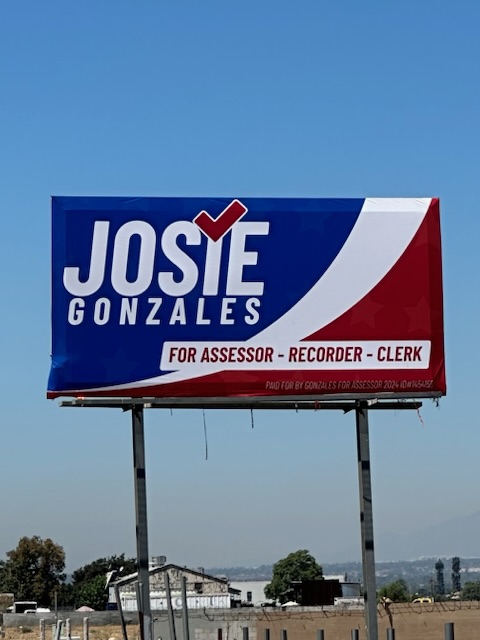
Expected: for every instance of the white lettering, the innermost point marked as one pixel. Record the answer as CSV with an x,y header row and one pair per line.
x,y
178,314
101,312
212,267
179,258
200,309
227,311
157,303
128,310
96,274
145,258
75,311
239,258
250,306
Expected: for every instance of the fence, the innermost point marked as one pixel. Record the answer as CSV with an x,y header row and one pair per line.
x,y
449,634
408,622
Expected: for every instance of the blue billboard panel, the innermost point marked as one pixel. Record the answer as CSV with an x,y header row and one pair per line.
x,y
202,297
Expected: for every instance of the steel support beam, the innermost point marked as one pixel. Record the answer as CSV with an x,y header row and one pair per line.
x,y
252,404
366,520
144,610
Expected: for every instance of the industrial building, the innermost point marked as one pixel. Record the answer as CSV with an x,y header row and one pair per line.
x,y
251,591
203,591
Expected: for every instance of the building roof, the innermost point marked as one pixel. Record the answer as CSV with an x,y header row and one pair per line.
x,y
153,570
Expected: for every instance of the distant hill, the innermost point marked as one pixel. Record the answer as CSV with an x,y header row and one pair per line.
x,y
455,536
409,556
459,536
262,572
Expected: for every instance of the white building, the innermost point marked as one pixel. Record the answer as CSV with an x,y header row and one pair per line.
x,y
203,591
251,590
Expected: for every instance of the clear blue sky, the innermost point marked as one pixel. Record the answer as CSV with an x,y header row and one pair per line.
x,y
250,98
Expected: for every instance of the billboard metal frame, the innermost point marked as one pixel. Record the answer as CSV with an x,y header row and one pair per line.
x,y
361,408
333,297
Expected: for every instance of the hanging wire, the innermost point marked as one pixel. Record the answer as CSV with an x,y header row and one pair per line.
x,y
420,418
251,417
205,434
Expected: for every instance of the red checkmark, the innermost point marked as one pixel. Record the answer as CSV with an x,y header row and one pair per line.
x,y
216,229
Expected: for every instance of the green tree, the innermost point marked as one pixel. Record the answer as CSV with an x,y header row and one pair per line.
x,y
397,591
471,591
3,577
102,566
88,582
65,597
92,593
297,566
34,570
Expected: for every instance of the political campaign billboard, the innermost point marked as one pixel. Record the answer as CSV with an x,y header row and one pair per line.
x,y
246,297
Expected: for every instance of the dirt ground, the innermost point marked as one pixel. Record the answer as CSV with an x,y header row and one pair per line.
x,y
96,633
411,622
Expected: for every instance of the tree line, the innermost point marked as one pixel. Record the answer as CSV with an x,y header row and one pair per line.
x,y
35,570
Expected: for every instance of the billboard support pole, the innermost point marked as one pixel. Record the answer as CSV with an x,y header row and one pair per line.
x,y
171,618
366,519
361,408
186,628
144,610
118,600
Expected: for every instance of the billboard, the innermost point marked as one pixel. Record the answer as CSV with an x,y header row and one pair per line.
x,y
243,297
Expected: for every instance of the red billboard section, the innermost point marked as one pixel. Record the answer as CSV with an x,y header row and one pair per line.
x,y
407,304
